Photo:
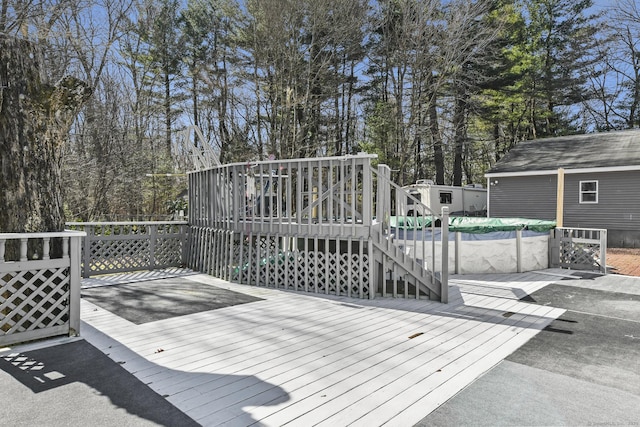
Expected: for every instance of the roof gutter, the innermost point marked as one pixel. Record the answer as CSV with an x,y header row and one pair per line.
x,y
566,171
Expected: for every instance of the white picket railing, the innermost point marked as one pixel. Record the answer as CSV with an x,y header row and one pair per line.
x,y
39,285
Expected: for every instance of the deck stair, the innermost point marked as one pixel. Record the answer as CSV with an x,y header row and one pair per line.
x,y
403,266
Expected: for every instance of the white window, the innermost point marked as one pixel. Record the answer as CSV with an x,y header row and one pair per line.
x,y
588,191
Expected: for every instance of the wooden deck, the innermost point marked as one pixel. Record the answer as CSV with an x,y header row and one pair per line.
x,y
302,360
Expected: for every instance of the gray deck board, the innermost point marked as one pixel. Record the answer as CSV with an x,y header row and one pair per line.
x,y
302,359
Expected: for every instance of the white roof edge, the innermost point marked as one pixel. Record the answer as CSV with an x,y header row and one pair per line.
x,y
566,171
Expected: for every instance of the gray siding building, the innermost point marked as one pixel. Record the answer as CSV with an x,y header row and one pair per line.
x,y
601,183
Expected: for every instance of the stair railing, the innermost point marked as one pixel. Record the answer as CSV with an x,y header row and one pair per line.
x,y
403,221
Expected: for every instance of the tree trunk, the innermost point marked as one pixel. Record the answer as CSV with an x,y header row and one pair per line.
x,y
438,154
460,135
35,119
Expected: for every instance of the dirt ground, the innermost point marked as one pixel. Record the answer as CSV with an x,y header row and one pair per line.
x,y
624,261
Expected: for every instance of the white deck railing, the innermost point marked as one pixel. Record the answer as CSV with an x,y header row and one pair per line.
x,y
324,196
579,248
319,225
426,252
39,285
113,247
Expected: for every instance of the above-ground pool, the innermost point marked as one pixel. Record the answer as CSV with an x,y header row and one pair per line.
x,y
478,245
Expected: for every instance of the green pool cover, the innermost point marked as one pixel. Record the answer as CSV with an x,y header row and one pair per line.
x,y
475,225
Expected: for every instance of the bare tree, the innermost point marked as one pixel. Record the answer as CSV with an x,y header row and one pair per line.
x,y
303,54
621,98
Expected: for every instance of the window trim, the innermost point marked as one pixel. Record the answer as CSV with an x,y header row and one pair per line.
x,y
446,193
582,193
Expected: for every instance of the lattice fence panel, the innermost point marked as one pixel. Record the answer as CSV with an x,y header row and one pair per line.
x,y
258,260
334,273
343,274
366,282
244,272
321,277
355,275
120,255
263,269
580,255
34,299
253,266
301,276
239,256
269,243
271,263
291,270
168,251
281,272
311,271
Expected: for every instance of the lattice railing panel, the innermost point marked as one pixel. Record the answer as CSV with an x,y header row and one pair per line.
x,y
579,248
321,277
258,260
263,269
343,274
272,261
366,281
168,251
269,243
334,272
291,270
301,280
129,246
39,285
120,255
311,270
34,299
584,255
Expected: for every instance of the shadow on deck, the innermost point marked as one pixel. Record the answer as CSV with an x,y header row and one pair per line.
x,y
338,360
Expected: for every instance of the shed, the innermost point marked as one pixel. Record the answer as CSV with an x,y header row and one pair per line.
x,y
599,175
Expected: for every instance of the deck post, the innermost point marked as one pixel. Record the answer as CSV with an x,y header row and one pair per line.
x,y
367,194
184,232
458,243
519,250
86,248
444,273
74,285
554,248
603,251
153,237
236,206
383,197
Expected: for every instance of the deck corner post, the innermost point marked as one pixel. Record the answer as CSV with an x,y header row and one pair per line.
x,y
74,285
554,248
86,248
603,251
